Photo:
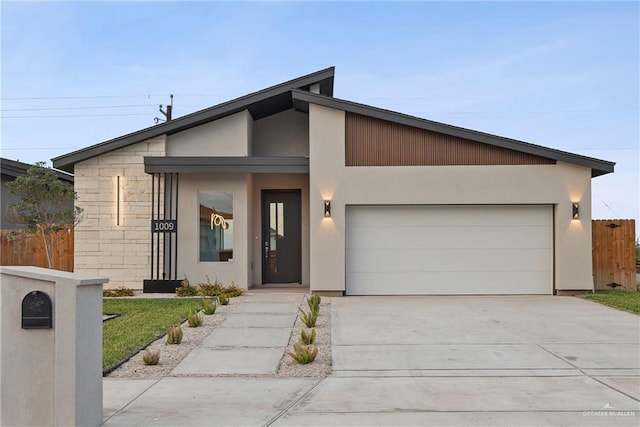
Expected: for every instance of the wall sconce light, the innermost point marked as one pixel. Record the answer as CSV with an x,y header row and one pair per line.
x,y
118,201
327,208
576,210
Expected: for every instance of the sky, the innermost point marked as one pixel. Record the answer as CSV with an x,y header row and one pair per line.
x,y
563,75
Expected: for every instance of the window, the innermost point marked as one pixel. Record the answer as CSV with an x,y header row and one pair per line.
x,y
216,226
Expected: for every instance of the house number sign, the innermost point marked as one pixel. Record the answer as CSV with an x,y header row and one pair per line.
x,y
164,226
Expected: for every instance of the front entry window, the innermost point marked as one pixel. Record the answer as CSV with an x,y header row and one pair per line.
x,y
216,226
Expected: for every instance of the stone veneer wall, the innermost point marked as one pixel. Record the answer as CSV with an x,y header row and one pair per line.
x,y
103,248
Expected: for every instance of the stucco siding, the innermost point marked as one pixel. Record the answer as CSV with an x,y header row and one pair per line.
x,y
228,136
104,248
189,264
557,185
283,134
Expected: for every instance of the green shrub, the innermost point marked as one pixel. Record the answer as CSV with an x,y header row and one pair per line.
x,y
174,334
150,357
222,299
119,292
186,290
308,338
195,319
310,318
313,302
209,306
302,353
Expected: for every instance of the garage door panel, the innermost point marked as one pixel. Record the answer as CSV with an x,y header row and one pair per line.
x,y
443,215
479,249
447,237
462,260
445,283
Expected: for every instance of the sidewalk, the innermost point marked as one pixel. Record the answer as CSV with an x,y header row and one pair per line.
x,y
226,380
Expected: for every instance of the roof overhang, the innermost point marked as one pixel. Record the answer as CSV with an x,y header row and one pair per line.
x,y
226,165
260,104
301,101
15,169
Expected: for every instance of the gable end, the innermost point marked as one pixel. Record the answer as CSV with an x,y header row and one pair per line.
x,y
375,142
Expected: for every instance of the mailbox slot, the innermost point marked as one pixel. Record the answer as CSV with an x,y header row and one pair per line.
x,y
36,311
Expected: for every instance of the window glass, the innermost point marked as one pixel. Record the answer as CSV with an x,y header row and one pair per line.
x,y
216,226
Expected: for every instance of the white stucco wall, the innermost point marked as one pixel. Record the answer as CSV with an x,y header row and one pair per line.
x,y
282,134
228,136
102,247
277,182
189,232
558,185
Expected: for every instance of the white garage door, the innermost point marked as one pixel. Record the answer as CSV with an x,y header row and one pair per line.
x,y
449,250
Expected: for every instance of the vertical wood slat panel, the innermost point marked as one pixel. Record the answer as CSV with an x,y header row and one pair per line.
x,y
29,251
614,257
375,142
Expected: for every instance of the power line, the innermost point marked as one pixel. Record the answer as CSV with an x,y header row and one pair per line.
x,y
77,108
74,116
29,98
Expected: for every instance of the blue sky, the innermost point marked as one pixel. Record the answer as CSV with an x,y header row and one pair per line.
x,y
562,75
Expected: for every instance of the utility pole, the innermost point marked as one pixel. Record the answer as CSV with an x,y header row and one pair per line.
x,y
166,114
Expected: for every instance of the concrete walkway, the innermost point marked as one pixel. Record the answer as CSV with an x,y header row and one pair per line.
x,y
405,361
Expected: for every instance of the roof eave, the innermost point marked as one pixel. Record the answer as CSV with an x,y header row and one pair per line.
x,y
324,77
598,167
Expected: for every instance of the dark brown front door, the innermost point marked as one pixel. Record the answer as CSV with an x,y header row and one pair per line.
x,y
281,236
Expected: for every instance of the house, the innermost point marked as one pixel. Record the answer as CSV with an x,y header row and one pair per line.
x,y
10,170
291,185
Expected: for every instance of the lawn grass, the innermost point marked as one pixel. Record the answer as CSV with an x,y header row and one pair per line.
x,y
627,301
141,321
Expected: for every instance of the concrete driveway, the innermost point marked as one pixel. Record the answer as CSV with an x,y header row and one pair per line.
x,y
522,360
456,361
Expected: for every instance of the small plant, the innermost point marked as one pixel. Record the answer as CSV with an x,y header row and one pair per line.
x,y
209,306
186,290
233,291
195,319
310,318
210,289
303,354
223,299
308,338
150,357
119,292
313,302
174,334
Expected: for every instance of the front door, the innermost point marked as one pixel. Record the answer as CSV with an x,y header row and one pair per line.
x,y
281,236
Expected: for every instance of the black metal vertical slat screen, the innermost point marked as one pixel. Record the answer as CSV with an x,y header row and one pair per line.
x,y
164,246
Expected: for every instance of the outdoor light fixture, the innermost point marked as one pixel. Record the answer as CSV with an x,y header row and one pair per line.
x,y
576,210
118,201
327,208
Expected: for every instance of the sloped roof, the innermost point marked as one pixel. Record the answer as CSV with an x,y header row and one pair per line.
x,y
301,101
260,104
295,94
14,168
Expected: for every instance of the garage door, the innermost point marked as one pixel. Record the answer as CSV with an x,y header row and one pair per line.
x,y
449,250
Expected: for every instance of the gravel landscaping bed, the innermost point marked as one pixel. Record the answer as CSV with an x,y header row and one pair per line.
x,y
172,354
321,366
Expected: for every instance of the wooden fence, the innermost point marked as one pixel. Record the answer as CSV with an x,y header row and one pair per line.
x,y
614,254
29,250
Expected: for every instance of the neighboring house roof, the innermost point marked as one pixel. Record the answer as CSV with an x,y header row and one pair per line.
x,y
301,101
295,94
15,169
260,104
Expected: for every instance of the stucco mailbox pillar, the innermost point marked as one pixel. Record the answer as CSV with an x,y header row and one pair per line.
x,y
50,361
